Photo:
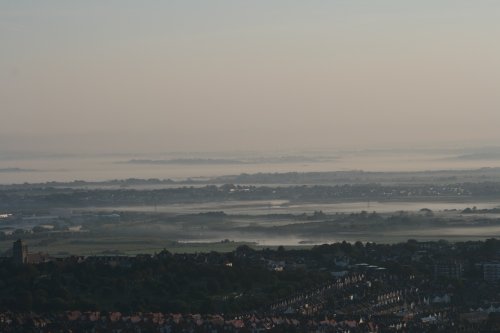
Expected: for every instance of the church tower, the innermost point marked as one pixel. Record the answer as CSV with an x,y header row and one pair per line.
x,y
20,252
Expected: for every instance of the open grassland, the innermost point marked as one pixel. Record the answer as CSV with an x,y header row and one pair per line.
x,y
118,246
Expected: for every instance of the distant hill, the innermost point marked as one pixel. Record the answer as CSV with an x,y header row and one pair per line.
x,y
187,161
481,156
257,160
9,170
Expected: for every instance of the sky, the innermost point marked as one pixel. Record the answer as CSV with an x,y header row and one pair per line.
x,y
145,76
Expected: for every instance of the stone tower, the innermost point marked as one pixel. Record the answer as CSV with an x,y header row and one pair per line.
x,y
20,252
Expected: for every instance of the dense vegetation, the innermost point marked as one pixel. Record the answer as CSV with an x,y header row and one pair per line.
x,y
163,283
207,283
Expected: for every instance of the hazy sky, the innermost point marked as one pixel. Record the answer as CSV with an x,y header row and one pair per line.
x,y
217,75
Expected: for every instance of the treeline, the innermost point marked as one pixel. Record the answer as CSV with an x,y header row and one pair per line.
x,y
154,284
290,178
12,199
229,283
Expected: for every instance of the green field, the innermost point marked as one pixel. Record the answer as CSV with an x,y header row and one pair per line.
x,y
118,246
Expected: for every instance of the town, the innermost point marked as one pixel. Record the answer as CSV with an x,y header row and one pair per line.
x,y
405,287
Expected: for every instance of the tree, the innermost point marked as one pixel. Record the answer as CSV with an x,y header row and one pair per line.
x,y
38,229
